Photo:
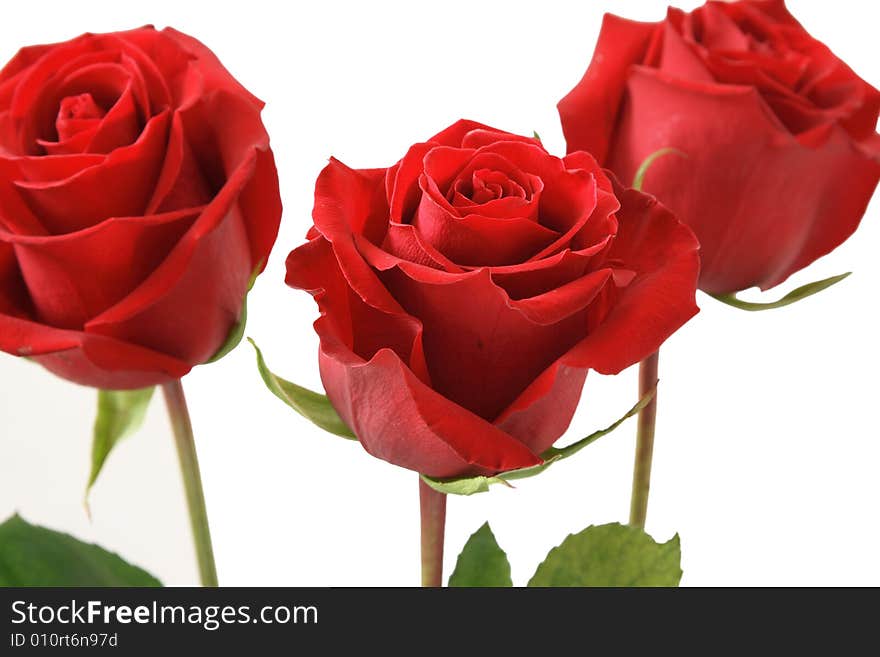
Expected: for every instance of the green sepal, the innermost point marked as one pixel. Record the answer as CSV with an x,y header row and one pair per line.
x,y
464,485
311,405
611,555
236,333
482,563
481,484
794,296
639,178
36,556
120,413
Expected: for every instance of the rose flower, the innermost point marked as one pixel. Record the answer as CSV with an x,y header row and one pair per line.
x,y
466,290
778,135
138,197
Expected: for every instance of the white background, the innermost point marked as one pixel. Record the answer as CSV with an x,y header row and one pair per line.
x,y
767,451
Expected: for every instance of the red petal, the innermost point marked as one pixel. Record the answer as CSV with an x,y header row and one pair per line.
x,y
87,359
405,242
729,187
120,127
479,137
539,276
401,420
663,253
543,412
199,287
74,277
401,183
13,293
679,58
363,328
213,75
350,201
483,349
644,312
455,134
477,240
181,183
85,198
589,111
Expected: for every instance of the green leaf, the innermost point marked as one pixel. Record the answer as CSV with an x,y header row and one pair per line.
x,y
536,135
463,485
120,413
481,562
611,555
639,178
794,296
311,405
36,556
481,484
237,331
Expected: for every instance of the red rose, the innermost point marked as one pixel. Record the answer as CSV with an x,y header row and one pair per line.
x,y
138,195
466,291
779,134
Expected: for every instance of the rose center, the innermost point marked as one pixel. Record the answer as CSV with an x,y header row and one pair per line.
x,y
483,186
77,113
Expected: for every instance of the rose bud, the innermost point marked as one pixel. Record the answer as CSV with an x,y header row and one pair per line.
x,y
465,292
780,153
138,197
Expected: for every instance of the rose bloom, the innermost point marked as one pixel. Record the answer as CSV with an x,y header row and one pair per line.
x,y
138,196
465,292
778,135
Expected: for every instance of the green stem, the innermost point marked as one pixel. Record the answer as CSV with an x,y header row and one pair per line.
x,y
432,504
641,485
192,480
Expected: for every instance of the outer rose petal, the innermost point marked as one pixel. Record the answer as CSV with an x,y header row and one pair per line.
x,y
664,254
214,74
88,359
543,412
401,420
394,414
260,203
651,307
589,111
679,58
118,255
350,201
777,10
226,131
483,348
23,59
13,293
454,135
201,285
756,224
363,328
401,183
479,137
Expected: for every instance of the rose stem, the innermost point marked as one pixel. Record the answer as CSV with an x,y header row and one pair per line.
x,y
192,480
641,485
433,510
